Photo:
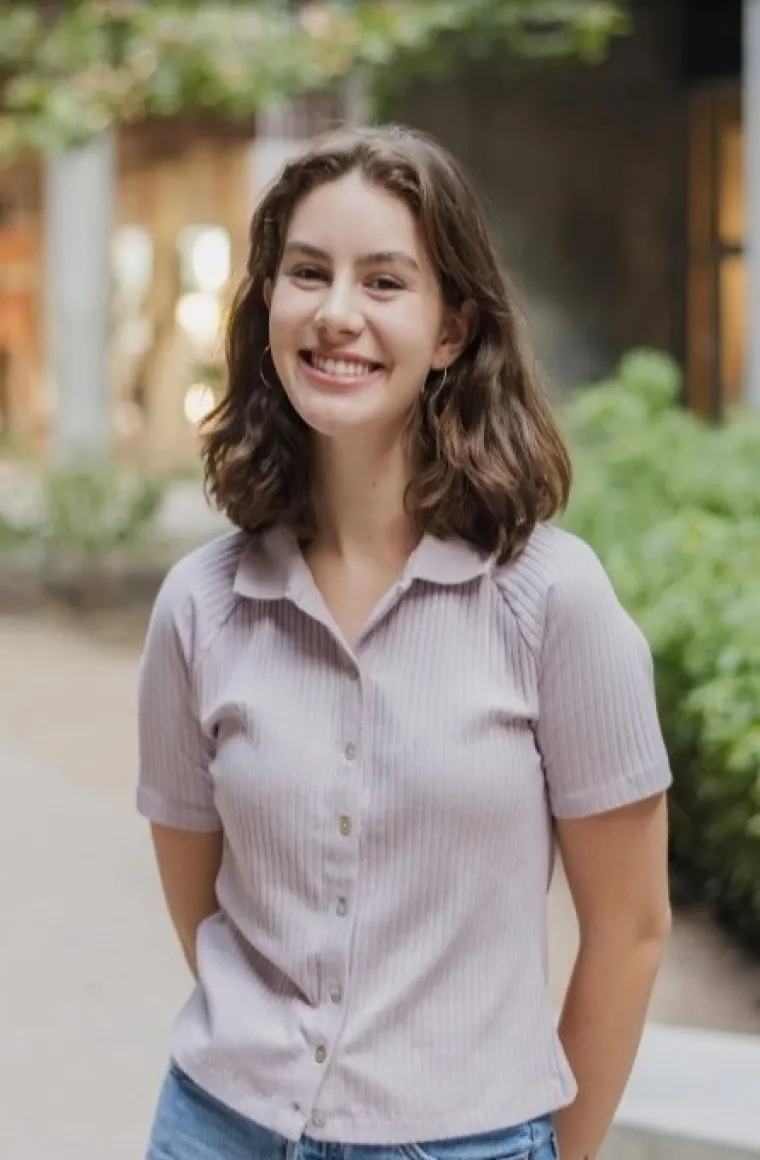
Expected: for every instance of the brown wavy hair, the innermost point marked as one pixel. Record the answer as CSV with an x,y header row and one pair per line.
x,y
491,463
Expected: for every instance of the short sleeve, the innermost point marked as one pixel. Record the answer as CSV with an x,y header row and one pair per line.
x,y
598,730
174,783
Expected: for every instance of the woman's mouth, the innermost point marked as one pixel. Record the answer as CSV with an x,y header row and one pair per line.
x,y
338,372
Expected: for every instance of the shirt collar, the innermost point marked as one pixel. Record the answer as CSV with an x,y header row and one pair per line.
x,y
272,566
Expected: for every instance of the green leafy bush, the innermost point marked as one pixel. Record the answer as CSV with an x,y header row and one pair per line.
x,y
86,511
94,510
672,506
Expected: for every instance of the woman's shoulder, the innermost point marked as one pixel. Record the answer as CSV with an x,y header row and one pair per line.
x,y
555,567
198,592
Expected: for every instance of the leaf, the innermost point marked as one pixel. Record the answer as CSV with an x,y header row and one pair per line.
x,y
672,506
125,59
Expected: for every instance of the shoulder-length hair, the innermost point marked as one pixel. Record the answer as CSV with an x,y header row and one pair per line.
x,y
490,462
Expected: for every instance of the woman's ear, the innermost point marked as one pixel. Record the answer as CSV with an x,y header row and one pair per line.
x,y
457,331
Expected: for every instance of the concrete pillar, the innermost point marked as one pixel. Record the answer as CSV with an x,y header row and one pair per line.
x,y
79,189
751,103
357,103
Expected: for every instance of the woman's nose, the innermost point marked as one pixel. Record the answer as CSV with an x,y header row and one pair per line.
x,y
338,310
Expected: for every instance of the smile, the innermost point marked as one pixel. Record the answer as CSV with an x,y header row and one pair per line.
x,y
338,370
348,368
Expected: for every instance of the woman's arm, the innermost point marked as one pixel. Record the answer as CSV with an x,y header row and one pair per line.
x,y
616,867
188,863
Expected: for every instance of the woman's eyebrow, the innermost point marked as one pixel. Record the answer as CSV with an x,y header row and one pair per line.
x,y
377,257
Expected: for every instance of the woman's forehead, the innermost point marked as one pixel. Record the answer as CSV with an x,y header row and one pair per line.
x,y
353,216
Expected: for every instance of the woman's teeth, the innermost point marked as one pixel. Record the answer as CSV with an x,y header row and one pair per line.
x,y
341,369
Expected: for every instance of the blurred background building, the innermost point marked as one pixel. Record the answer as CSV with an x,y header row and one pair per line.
x,y
183,196
618,191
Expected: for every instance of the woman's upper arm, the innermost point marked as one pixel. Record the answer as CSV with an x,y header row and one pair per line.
x,y
616,865
603,754
175,787
598,730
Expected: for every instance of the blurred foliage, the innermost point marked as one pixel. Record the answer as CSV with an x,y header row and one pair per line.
x,y
672,506
90,511
12,533
84,513
65,78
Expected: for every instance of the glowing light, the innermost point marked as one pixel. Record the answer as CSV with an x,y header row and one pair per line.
x,y
205,253
210,259
132,258
199,402
200,316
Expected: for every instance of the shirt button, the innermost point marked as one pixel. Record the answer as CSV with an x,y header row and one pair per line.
x,y
321,1053
318,1120
341,907
335,994
350,752
344,825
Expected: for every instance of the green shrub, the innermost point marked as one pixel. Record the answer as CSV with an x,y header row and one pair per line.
x,y
91,511
672,506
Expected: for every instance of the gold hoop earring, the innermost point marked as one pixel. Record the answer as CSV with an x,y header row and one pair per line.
x,y
262,376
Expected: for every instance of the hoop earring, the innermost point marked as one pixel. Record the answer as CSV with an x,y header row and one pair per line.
x,y
262,376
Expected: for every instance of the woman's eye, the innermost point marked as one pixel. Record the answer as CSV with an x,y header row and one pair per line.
x,y
307,273
385,284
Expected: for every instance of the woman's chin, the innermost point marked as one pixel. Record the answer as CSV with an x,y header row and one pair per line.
x,y
332,416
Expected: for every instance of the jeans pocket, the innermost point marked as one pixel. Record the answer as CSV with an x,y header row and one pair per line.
x,y
435,1152
518,1143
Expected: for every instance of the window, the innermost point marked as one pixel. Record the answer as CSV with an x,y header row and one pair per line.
x,y
716,291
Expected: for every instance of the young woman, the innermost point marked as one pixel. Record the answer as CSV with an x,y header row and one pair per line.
x,y
367,716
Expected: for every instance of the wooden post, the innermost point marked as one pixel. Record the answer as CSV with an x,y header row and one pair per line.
x,y
751,79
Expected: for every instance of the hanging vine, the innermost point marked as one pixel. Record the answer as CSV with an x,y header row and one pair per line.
x,y
68,76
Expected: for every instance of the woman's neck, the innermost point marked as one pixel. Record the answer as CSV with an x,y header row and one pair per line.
x,y
360,502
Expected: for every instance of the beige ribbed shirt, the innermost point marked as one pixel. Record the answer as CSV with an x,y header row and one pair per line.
x,y
377,969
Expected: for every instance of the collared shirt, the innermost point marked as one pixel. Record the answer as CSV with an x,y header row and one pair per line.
x,y
377,969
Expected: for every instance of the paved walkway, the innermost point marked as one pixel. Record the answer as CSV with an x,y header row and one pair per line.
x,y
89,972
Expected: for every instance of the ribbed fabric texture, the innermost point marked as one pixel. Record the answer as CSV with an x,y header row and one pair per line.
x,y
377,970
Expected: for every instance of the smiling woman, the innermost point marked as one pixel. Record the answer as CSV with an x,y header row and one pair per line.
x,y
368,717
356,332
370,250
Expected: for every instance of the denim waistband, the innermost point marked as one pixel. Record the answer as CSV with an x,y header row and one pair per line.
x,y
191,1124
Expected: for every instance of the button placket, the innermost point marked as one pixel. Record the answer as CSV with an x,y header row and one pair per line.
x,y
344,825
341,869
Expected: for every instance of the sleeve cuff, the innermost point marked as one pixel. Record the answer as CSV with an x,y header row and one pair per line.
x,y
182,815
625,791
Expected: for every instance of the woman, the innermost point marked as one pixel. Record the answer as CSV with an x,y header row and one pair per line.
x,y
366,717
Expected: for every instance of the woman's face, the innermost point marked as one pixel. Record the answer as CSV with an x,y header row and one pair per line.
x,y
357,320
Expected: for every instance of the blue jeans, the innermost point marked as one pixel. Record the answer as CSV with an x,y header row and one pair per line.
x,y
192,1125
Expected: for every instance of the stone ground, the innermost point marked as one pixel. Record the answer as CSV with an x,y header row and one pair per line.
x,y
89,973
